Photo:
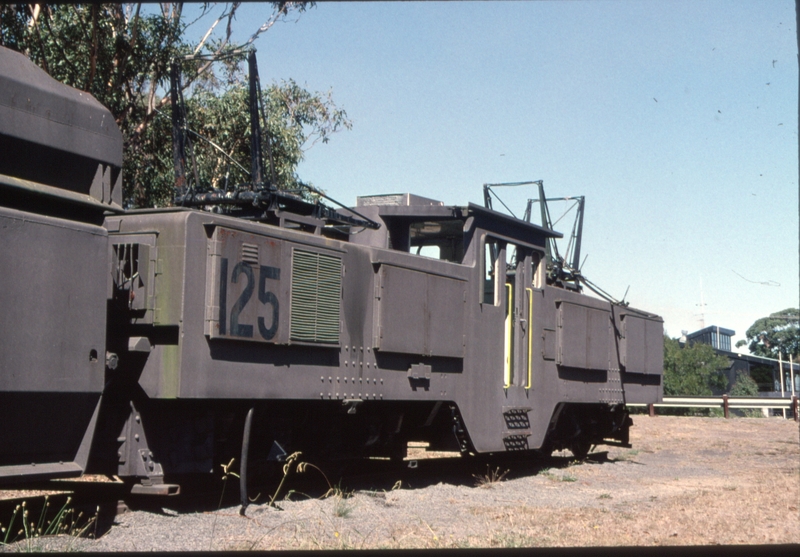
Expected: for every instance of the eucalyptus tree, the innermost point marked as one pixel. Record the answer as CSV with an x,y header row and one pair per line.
x,y
774,335
121,54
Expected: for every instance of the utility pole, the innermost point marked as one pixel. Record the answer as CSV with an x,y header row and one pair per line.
x,y
780,373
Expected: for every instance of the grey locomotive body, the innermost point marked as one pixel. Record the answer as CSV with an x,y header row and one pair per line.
x,y
135,343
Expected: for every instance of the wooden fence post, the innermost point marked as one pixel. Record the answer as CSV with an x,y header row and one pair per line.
x,y
796,408
652,409
725,406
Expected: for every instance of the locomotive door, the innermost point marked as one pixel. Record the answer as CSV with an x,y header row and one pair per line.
x,y
518,340
508,284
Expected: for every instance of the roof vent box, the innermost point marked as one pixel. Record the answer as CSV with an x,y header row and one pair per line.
x,y
402,199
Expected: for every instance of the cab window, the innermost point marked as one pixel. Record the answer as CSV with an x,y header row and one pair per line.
x,y
442,239
491,266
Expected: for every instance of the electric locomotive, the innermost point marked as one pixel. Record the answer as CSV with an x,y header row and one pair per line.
x,y
153,343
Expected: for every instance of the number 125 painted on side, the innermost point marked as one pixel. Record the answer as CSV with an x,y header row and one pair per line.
x,y
265,297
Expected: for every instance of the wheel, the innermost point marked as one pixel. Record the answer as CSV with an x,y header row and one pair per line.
x,y
580,447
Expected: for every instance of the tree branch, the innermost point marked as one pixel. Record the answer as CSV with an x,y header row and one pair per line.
x,y
208,34
282,10
93,51
59,44
35,25
121,63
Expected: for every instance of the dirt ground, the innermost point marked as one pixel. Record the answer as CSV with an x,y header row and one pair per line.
x,y
686,481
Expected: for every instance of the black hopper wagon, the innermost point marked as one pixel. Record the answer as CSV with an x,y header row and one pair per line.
x,y
149,344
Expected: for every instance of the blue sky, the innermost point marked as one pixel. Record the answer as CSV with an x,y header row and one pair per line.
x,y
677,120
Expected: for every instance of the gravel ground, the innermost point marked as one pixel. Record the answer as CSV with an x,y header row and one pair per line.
x,y
687,481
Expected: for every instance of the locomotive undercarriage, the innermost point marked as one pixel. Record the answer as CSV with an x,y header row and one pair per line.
x,y
157,442
578,427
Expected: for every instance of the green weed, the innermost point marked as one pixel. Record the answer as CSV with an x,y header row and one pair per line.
x,y
548,473
23,527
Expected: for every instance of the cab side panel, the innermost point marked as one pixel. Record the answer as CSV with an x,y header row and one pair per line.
x,y
52,350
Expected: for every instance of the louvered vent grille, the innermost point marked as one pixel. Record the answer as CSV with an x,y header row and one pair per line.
x,y
316,295
250,253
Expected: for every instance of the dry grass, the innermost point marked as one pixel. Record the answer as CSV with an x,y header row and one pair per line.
x,y
490,478
688,481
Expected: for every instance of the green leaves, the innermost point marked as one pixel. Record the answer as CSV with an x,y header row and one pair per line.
x,y
296,120
121,54
744,386
693,370
775,334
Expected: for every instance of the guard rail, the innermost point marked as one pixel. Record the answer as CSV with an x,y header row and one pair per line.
x,y
727,403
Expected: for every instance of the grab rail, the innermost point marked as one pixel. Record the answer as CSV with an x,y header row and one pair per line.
x,y
530,337
507,341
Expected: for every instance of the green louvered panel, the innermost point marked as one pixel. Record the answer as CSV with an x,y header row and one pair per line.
x,y
316,295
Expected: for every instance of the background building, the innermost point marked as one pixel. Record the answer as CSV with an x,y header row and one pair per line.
x,y
765,372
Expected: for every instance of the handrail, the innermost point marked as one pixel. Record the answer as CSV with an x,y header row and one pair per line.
x,y
529,291
507,341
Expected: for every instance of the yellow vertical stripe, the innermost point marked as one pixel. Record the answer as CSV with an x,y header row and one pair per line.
x,y
507,343
530,337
